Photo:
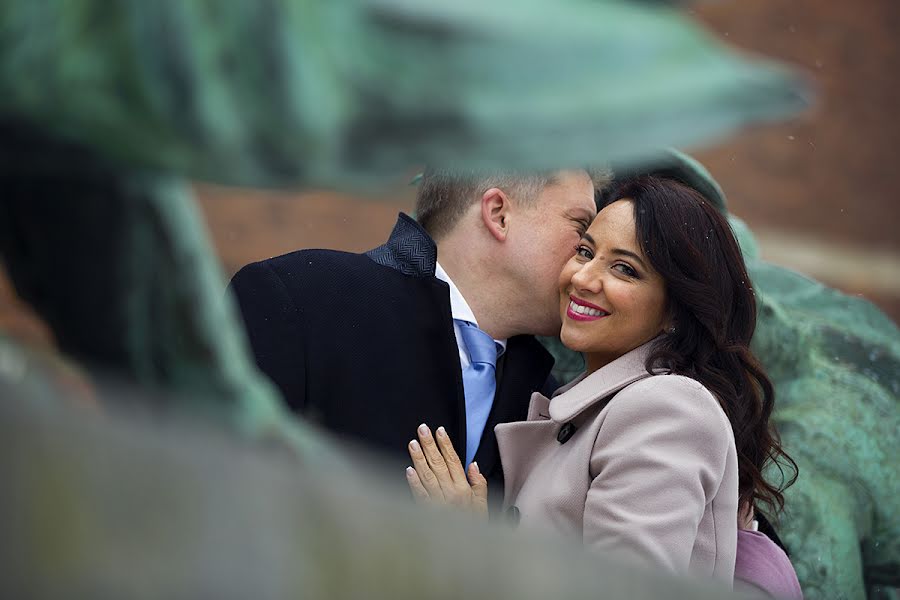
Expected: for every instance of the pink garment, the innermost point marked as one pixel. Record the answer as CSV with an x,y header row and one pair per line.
x,y
760,562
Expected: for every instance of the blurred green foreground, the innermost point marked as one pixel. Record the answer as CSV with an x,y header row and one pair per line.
x,y
171,468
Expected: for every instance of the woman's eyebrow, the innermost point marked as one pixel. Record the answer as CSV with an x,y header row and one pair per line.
x,y
628,253
586,236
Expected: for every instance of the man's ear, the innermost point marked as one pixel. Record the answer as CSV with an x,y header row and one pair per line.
x,y
495,212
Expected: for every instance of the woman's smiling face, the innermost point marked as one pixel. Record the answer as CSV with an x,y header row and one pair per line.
x,y
611,299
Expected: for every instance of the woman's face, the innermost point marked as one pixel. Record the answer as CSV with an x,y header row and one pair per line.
x,y
611,299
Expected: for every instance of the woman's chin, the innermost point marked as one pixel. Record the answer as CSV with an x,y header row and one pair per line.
x,y
572,342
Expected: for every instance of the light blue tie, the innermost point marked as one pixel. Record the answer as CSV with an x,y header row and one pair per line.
x,y
479,382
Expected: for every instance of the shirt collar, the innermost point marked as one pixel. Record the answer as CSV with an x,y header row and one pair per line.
x,y
459,308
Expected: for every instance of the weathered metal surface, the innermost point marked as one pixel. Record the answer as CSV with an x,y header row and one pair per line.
x,y
344,93
133,505
101,236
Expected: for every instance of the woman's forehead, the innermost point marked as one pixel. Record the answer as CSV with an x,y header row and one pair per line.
x,y
616,220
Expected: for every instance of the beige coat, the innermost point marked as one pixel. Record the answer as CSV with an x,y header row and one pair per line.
x,y
649,474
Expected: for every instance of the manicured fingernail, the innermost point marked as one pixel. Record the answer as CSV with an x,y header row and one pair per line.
x,y
414,446
441,431
423,429
477,470
410,472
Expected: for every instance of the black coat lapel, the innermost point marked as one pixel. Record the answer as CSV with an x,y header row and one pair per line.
x,y
412,252
525,368
409,250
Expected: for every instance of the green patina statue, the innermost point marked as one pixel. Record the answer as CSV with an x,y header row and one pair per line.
x,y
106,109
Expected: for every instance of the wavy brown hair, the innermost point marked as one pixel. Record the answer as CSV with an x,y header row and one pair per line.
x,y
713,309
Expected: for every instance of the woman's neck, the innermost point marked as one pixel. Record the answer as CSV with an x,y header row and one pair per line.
x,y
594,361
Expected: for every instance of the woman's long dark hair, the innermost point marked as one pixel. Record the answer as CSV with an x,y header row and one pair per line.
x,y
713,309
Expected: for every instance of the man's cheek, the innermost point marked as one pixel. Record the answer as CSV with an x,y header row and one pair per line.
x,y
572,246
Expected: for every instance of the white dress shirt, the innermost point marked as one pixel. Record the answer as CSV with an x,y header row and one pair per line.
x,y
460,309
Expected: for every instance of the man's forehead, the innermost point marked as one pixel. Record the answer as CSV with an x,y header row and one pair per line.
x,y
574,190
588,211
582,204
581,209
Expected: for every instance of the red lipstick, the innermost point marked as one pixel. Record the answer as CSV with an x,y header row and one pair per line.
x,y
577,316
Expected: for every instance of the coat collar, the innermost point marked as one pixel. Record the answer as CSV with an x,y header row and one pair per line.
x,y
585,391
409,250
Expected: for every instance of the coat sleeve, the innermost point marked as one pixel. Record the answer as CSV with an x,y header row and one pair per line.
x,y
658,460
274,329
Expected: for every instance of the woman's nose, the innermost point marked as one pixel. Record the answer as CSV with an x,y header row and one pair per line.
x,y
585,279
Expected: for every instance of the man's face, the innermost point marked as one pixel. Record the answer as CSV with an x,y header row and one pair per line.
x,y
549,231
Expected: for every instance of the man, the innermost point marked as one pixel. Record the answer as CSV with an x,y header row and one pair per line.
x,y
371,345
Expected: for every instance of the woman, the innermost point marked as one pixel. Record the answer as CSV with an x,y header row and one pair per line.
x,y
651,451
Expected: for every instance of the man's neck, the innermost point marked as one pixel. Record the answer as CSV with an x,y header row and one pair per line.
x,y
476,285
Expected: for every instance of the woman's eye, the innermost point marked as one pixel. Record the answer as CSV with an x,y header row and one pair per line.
x,y
625,269
584,252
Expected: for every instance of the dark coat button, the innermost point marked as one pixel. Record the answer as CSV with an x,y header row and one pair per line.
x,y
513,515
565,432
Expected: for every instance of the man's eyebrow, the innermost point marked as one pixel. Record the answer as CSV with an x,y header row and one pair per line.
x,y
628,253
582,216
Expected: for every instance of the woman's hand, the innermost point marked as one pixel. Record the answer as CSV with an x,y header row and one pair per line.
x,y
437,475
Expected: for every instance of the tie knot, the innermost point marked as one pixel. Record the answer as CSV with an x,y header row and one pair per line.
x,y
481,347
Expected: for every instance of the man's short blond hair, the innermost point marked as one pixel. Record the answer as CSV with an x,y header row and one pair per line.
x,y
444,195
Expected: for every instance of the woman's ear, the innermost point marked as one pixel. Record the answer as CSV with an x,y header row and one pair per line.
x,y
670,326
495,212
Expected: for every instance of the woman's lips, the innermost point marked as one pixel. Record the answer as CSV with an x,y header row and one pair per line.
x,y
580,310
